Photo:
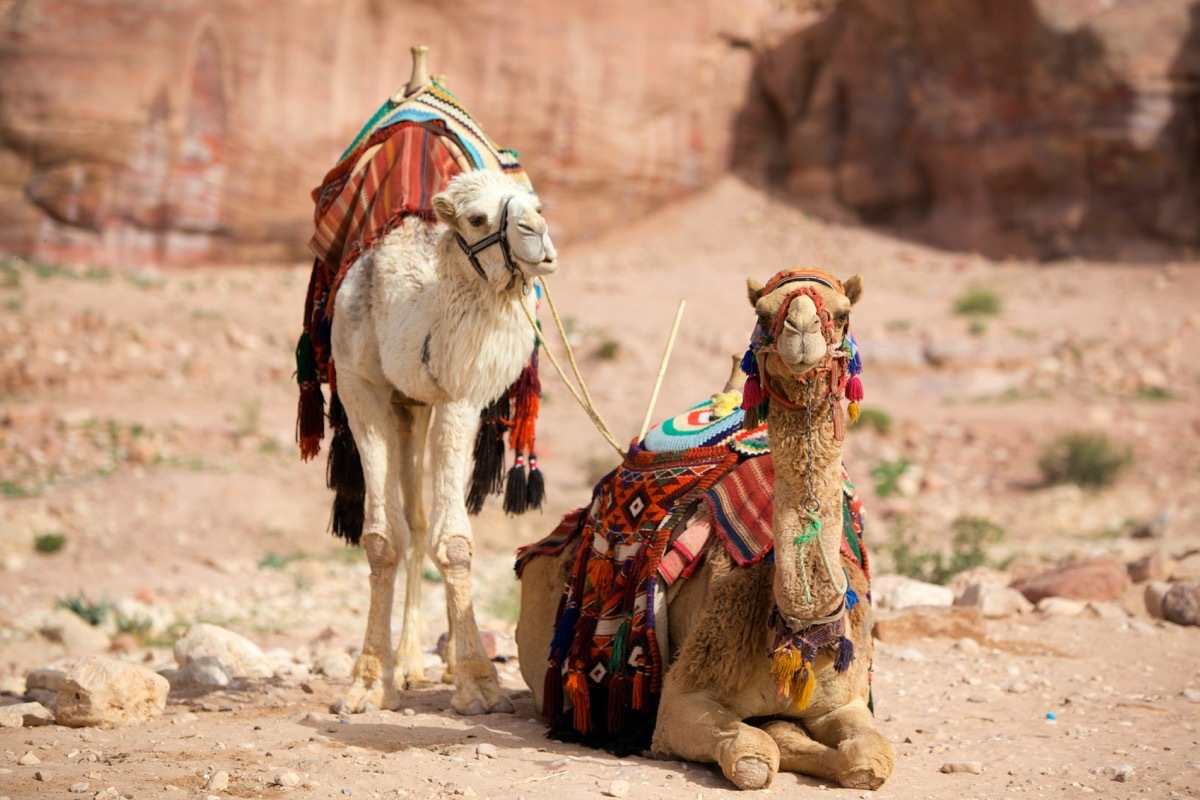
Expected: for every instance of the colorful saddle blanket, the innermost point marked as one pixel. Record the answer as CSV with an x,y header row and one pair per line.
x,y
633,539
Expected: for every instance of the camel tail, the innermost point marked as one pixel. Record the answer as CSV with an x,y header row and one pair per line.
x,y
344,475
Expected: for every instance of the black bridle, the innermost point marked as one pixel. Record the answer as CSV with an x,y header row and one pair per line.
x,y
473,250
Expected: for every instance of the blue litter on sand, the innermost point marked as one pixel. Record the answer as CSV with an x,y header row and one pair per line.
x,y
1050,716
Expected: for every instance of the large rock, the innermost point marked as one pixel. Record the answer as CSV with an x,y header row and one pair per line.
x,y
203,142
1181,604
994,601
238,655
67,628
104,692
1099,578
913,594
1033,127
25,715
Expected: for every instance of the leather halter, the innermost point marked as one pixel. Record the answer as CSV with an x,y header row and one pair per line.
x,y
473,250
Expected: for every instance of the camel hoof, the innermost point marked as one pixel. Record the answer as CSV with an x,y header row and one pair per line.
x,y
750,773
865,762
473,709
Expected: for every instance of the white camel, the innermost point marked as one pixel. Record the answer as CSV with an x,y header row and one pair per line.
x,y
429,324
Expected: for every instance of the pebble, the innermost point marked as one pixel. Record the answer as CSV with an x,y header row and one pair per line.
x,y
286,778
1191,694
969,767
79,788
908,654
487,751
28,760
43,776
618,788
218,781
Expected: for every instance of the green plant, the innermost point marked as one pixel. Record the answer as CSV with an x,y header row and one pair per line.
x,y
977,327
977,300
969,549
430,574
887,475
1154,393
276,561
13,490
138,627
609,349
875,418
1084,458
49,543
89,612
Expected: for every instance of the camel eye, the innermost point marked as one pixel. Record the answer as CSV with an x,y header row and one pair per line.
x,y
841,317
477,220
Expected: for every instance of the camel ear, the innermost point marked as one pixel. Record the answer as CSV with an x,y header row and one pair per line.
x,y
444,208
754,291
854,288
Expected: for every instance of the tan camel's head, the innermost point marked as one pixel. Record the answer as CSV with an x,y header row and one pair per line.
x,y
473,205
800,342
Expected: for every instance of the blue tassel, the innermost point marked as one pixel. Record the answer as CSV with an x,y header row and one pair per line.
x,y
749,363
845,655
851,598
564,633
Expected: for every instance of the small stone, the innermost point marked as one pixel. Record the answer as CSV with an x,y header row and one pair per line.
x,y
908,654
286,778
968,646
240,656
969,767
106,692
29,760
1181,604
976,698
1153,596
335,664
79,787
43,776
486,750
1124,773
1151,567
1061,607
217,782
1191,694
995,602
204,672
28,715
618,788
915,594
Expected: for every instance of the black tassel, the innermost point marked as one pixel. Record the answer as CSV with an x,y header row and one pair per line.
x,y
535,490
515,497
343,474
618,702
487,476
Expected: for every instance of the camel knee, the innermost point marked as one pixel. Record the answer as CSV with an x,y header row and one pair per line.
x,y
453,555
381,555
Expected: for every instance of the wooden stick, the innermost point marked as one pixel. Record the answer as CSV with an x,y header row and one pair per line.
x,y
661,371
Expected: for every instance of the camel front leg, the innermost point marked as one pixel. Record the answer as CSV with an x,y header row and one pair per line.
x,y
477,687
864,757
374,427
410,660
695,727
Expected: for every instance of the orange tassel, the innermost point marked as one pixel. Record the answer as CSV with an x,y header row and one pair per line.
x,y
578,690
600,574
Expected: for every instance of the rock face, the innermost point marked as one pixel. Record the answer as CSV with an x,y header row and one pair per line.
x,y
202,143
1032,127
105,692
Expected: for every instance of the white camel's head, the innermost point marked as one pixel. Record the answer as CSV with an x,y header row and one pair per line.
x,y
476,204
801,341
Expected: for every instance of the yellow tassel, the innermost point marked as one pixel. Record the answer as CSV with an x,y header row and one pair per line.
x,y
852,409
803,684
785,661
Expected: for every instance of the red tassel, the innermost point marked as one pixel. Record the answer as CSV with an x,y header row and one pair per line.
x,y
640,681
526,402
854,389
577,688
310,419
552,693
752,393
618,702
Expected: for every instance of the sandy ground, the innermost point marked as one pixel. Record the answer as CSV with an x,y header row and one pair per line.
x,y
149,420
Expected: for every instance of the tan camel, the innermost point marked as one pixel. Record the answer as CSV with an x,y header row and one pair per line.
x,y
429,323
737,635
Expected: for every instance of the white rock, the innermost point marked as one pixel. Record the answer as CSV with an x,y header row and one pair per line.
x,y
1061,607
908,654
286,778
969,767
68,629
217,782
335,664
968,645
29,760
240,656
910,594
486,750
79,787
28,715
105,692
618,788
200,673
995,602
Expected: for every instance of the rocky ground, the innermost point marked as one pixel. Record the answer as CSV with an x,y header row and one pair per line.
x,y
150,480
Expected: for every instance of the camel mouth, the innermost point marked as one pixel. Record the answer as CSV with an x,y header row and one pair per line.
x,y
537,268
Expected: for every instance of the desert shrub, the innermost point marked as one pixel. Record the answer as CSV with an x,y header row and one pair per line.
x,y
973,536
887,475
875,418
49,543
1084,458
977,300
90,612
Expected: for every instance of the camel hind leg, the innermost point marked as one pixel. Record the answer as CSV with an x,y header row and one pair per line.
x,y
410,660
375,427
